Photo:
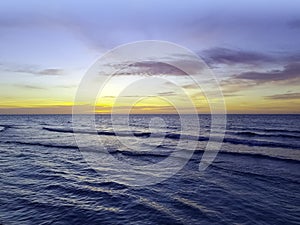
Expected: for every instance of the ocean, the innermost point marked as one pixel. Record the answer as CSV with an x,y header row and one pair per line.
x,y
45,178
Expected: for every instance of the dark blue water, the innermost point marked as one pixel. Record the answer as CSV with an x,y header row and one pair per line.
x,y
44,179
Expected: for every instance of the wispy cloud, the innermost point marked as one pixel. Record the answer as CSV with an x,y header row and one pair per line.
x,y
50,72
231,85
28,86
288,73
163,93
191,86
31,69
161,66
167,93
44,72
37,110
231,56
287,96
71,86
155,68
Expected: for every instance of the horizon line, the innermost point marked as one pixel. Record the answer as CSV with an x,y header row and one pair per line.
x,y
106,114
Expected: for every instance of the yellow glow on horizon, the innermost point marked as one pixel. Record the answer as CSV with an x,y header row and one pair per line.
x,y
156,105
252,100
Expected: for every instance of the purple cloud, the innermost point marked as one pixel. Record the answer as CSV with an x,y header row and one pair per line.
x,y
230,56
289,72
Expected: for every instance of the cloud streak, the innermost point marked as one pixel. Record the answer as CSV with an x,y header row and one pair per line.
x,y
50,72
28,86
288,73
32,70
45,72
152,67
230,56
287,96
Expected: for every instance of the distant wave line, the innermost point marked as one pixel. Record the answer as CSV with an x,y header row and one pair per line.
x,y
180,136
152,154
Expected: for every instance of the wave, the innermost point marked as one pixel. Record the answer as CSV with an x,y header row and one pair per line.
x,y
107,133
253,134
257,155
40,144
237,141
257,175
129,134
164,154
139,154
194,205
4,127
197,152
146,126
260,143
151,153
266,130
166,215
123,152
175,136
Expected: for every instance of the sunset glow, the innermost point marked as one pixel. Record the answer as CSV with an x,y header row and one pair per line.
x,y
45,53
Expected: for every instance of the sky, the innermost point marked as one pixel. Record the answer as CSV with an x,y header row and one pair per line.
x,y
252,47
